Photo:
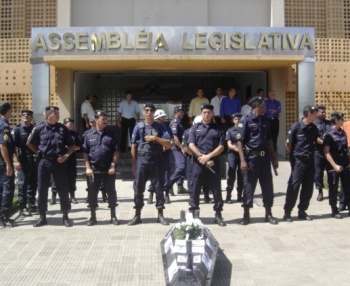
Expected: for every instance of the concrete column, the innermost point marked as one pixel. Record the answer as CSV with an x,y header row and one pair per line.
x,y
305,84
65,93
277,13
64,13
40,89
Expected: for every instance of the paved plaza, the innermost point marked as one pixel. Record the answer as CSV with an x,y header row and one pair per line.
x,y
298,253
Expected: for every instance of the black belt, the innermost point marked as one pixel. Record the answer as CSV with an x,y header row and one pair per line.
x,y
128,118
303,158
257,153
340,156
147,154
49,157
272,118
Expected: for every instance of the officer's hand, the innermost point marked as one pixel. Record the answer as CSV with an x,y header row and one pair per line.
x,y
9,170
204,159
89,172
149,138
61,159
133,169
17,165
244,167
183,150
111,170
275,164
211,163
338,168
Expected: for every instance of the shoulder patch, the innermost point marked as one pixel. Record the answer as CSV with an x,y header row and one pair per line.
x,y
6,137
240,125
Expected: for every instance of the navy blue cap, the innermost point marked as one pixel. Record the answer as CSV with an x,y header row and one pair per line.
x,y
68,119
27,111
99,113
258,99
51,108
149,105
337,115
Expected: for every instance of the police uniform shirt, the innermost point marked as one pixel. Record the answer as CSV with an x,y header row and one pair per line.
x,y
177,128
76,140
20,136
337,141
50,139
100,146
254,132
231,134
156,129
185,137
302,139
6,138
323,126
206,137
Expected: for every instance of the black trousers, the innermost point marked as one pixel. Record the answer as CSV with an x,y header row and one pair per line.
x,y
275,129
127,125
27,183
320,165
7,189
94,184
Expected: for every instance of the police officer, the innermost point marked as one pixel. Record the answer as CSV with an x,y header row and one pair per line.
x,y
100,152
337,154
25,163
7,149
234,162
180,162
206,141
49,140
323,125
300,145
148,139
255,137
160,117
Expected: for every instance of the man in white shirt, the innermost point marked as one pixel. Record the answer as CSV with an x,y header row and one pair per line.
x,y
127,112
216,101
87,110
246,109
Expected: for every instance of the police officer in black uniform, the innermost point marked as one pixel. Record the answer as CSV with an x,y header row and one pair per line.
x,y
300,145
255,138
50,140
338,161
100,152
323,125
234,162
26,165
148,139
7,149
207,142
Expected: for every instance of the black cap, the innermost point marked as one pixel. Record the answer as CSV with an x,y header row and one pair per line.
x,y
309,109
178,108
237,114
149,105
4,107
51,108
68,119
26,111
337,115
321,107
99,113
207,106
258,99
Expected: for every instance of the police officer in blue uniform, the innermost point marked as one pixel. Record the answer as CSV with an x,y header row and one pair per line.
x,y
7,149
25,163
207,142
148,139
338,162
49,140
300,145
100,152
323,125
180,162
234,162
255,138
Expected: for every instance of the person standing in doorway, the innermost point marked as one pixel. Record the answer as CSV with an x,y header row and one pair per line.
x,y
229,105
87,110
128,114
273,110
216,102
196,103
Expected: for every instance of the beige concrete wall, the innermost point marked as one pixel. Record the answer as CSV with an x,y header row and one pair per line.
x,y
65,92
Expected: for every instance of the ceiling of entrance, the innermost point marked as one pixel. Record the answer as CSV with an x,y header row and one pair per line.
x,y
171,63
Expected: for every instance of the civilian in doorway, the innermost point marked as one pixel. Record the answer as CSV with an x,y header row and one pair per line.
x,y
229,105
196,104
272,112
216,102
260,92
87,110
246,109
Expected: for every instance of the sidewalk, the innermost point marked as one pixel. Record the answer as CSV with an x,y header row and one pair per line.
x,y
298,253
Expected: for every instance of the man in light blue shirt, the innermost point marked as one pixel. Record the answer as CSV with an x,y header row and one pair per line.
x,y
128,111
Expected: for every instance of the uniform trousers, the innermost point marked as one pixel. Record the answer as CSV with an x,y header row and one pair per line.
x,y
149,168
320,165
201,176
7,189
46,168
166,165
180,167
94,183
275,129
233,169
303,172
259,169
27,182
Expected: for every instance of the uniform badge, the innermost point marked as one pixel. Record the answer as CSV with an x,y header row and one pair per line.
x,y
13,132
238,136
154,132
6,137
287,141
240,125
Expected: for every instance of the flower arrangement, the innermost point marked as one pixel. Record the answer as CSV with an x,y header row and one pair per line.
x,y
191,229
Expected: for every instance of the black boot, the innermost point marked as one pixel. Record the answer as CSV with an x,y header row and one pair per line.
x,y
53,198
239,196
167,198
92,221
218,219
8,222
150,198
196,214
73,200
42,220
181,190
114,219
25,212
66,221
287,216
161,218
320,195
269,218
246,216
2,220
171,191
335,213
228,195
136,219
32,208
